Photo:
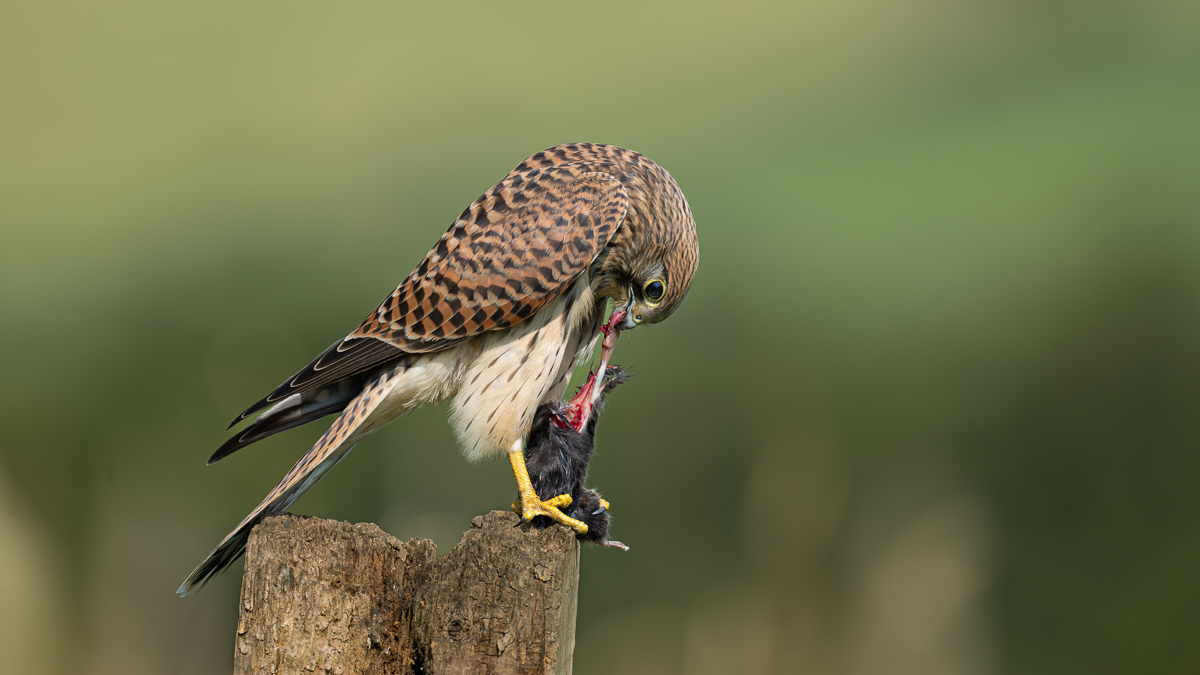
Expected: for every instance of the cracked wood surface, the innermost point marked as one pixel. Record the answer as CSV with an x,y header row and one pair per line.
x,y
321,596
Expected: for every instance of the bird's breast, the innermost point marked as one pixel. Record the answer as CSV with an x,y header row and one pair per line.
x,y
518,368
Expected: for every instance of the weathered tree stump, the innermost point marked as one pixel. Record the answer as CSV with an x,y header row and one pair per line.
x,y
330,597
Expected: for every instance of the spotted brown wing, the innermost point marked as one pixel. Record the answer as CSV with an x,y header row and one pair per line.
x,y
506,256
510,253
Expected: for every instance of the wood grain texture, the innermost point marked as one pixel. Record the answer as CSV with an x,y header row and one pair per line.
x,y
330,597
326,596
503,601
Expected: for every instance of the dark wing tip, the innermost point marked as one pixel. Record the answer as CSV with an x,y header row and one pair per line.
x,y
262,403
331,365
236,442
294,411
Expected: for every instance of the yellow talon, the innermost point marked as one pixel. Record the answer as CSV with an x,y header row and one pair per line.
x,y
556,502
604,504
530,505
559,501
535,507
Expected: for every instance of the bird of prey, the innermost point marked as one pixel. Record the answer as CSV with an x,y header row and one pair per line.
x,y
497,316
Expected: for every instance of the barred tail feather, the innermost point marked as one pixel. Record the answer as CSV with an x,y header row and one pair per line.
x,y
234,544
330,449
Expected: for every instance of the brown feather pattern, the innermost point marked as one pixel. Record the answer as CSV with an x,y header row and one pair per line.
x,y
512,251
567,229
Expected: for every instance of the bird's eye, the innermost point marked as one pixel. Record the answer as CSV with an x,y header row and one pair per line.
x,y
654,290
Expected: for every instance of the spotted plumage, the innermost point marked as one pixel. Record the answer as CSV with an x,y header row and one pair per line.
x,y
498,316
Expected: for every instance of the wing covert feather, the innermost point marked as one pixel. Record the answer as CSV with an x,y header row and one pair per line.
x,y
512,251
507,255
344,358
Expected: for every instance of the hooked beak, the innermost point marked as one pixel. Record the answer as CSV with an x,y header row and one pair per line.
x,y
631,320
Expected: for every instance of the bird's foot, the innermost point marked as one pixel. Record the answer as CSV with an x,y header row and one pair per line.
x,y
558,502
530,507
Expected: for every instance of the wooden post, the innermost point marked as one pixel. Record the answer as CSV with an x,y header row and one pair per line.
x,y
330,597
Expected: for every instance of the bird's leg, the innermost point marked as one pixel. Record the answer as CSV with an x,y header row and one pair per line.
x,y
531,505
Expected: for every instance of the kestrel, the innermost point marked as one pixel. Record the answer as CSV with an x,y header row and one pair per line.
x,y
497,316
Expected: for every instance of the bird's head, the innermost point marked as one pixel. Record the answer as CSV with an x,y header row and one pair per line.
x,y
651,291
656,252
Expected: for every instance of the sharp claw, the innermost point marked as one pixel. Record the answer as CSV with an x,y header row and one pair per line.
x,y
599,511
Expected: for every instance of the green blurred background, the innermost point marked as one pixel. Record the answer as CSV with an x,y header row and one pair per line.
x,y
932,406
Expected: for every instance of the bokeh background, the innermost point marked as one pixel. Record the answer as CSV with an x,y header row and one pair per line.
x,y
932,406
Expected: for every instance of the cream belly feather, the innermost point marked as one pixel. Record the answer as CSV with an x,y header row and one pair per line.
x,y
520,368
497,380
